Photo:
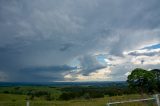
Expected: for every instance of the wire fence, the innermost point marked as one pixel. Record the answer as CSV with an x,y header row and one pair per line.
x,y
154,101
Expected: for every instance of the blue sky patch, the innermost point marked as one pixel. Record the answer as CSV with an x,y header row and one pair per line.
x,y
156,46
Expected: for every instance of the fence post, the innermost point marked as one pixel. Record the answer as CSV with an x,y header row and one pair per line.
x,y
27,103
157,100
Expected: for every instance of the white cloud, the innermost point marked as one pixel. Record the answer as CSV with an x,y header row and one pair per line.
x,y
127,73
98,75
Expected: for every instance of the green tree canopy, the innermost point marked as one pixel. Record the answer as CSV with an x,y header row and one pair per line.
x,y
157,74
142,80
157,77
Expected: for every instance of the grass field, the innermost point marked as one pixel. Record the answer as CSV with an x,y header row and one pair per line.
x,y
16,96
23,90
20,100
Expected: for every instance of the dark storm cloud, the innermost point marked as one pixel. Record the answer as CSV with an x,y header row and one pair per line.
x,y
65,47
89,64
53,33
42,73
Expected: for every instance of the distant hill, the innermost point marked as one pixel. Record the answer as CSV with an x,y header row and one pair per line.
x,y
101,83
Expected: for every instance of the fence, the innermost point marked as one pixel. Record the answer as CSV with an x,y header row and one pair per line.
x,y
155,97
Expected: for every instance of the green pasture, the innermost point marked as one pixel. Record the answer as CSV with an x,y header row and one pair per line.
x,y
20,100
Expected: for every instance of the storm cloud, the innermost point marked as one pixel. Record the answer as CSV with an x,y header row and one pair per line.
x,y
71,33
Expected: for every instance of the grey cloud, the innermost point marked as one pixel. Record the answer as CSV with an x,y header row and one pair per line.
x,y
147,53
89,64
41,73
46,33
65,47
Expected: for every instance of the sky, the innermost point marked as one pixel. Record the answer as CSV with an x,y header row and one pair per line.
x,y
77,40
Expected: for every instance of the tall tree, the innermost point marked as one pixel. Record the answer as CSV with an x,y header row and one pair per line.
x,y
142,80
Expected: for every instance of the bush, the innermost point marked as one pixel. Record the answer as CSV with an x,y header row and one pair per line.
x,y
45,94
67,96
86,96
96,95
6,92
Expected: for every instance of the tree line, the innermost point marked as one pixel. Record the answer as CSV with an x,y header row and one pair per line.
x,y
139,81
